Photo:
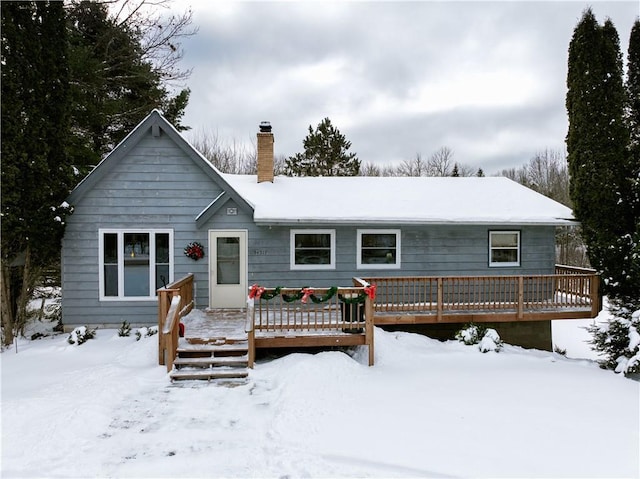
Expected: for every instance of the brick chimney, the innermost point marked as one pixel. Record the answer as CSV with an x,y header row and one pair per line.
x,y
265,153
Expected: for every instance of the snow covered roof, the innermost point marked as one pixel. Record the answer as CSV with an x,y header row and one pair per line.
x,y
397,200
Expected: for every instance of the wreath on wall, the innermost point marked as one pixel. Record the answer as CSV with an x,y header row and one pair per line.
x,y
194,250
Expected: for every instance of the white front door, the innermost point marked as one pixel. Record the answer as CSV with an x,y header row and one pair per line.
x,y
227,268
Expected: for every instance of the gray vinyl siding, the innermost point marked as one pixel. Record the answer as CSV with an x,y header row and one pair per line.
x,y
155,186
434,250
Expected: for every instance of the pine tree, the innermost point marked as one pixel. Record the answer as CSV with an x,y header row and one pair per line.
x,y
325,154
480,173
36,176
596,143
455,173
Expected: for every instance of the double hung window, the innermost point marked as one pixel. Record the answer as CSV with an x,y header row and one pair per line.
x,y
504,248
378,249
134,263
313,249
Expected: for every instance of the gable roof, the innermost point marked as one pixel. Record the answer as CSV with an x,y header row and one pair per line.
x,y
397,200
153,121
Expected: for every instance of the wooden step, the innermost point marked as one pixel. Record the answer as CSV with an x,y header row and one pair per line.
x,y
208,374
212,361
233,348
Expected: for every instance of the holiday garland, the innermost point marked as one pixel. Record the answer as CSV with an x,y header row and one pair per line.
x,y
259,292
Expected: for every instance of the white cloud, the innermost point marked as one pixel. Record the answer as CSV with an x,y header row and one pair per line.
x,y
487,79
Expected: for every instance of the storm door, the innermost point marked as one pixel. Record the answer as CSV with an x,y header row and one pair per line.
x,y
227,268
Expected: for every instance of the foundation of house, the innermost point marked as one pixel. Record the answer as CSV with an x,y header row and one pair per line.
x,y
527,334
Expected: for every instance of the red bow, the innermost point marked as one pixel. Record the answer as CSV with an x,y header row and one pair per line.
x,y
256,291
370,291
306,292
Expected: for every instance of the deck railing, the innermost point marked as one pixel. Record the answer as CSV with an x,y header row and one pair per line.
x,y
174,301
317,312
570,290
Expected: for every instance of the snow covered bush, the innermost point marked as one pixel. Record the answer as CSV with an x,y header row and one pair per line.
x,y
618,340
487,339
490,341
146,332
471,334
125,330
81,335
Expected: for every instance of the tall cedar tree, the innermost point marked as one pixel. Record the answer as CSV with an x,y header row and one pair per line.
x,y
114,86
633,113
597,142
35,126
633,122
325,154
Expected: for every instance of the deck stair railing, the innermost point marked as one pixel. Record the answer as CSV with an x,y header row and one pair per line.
x,y
174,301
568,289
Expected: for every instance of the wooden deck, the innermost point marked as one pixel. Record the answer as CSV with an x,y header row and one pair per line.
x,y
346,316
228,326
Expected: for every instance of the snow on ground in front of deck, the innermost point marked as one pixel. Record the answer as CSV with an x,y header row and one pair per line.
x,y
426,409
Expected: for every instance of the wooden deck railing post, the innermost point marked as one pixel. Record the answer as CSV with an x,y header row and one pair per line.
x,y
170,330
440,299
368,327
520,297
251,333
594,293
163,309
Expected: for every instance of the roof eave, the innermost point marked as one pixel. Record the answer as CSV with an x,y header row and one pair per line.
x,y
392,221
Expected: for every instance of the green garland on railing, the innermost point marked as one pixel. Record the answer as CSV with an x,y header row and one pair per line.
x,y
269,296
305,293
325,297
290,298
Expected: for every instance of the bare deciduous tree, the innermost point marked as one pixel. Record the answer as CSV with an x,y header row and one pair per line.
x,y
159,34
414,167
441,162
231,157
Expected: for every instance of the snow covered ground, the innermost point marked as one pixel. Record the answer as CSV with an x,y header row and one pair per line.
x,y
426,409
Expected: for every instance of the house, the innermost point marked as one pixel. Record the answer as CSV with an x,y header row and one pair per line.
x,y
154,195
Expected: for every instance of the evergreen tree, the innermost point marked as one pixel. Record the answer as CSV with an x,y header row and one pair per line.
x,y
50,123
633,115
36,176
631,242
596,143
480,173
455,173
325,154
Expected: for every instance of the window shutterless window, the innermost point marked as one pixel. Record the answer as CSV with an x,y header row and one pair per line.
x,y
313,249
378,249
134,263
504,248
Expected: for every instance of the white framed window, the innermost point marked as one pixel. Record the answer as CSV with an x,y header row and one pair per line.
x,y
313,249
378,249
134,263
504,248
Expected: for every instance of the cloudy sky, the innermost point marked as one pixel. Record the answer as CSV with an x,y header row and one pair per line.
x,y
485,79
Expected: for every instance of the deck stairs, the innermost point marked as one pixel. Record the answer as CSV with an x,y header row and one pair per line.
x,y
219,360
